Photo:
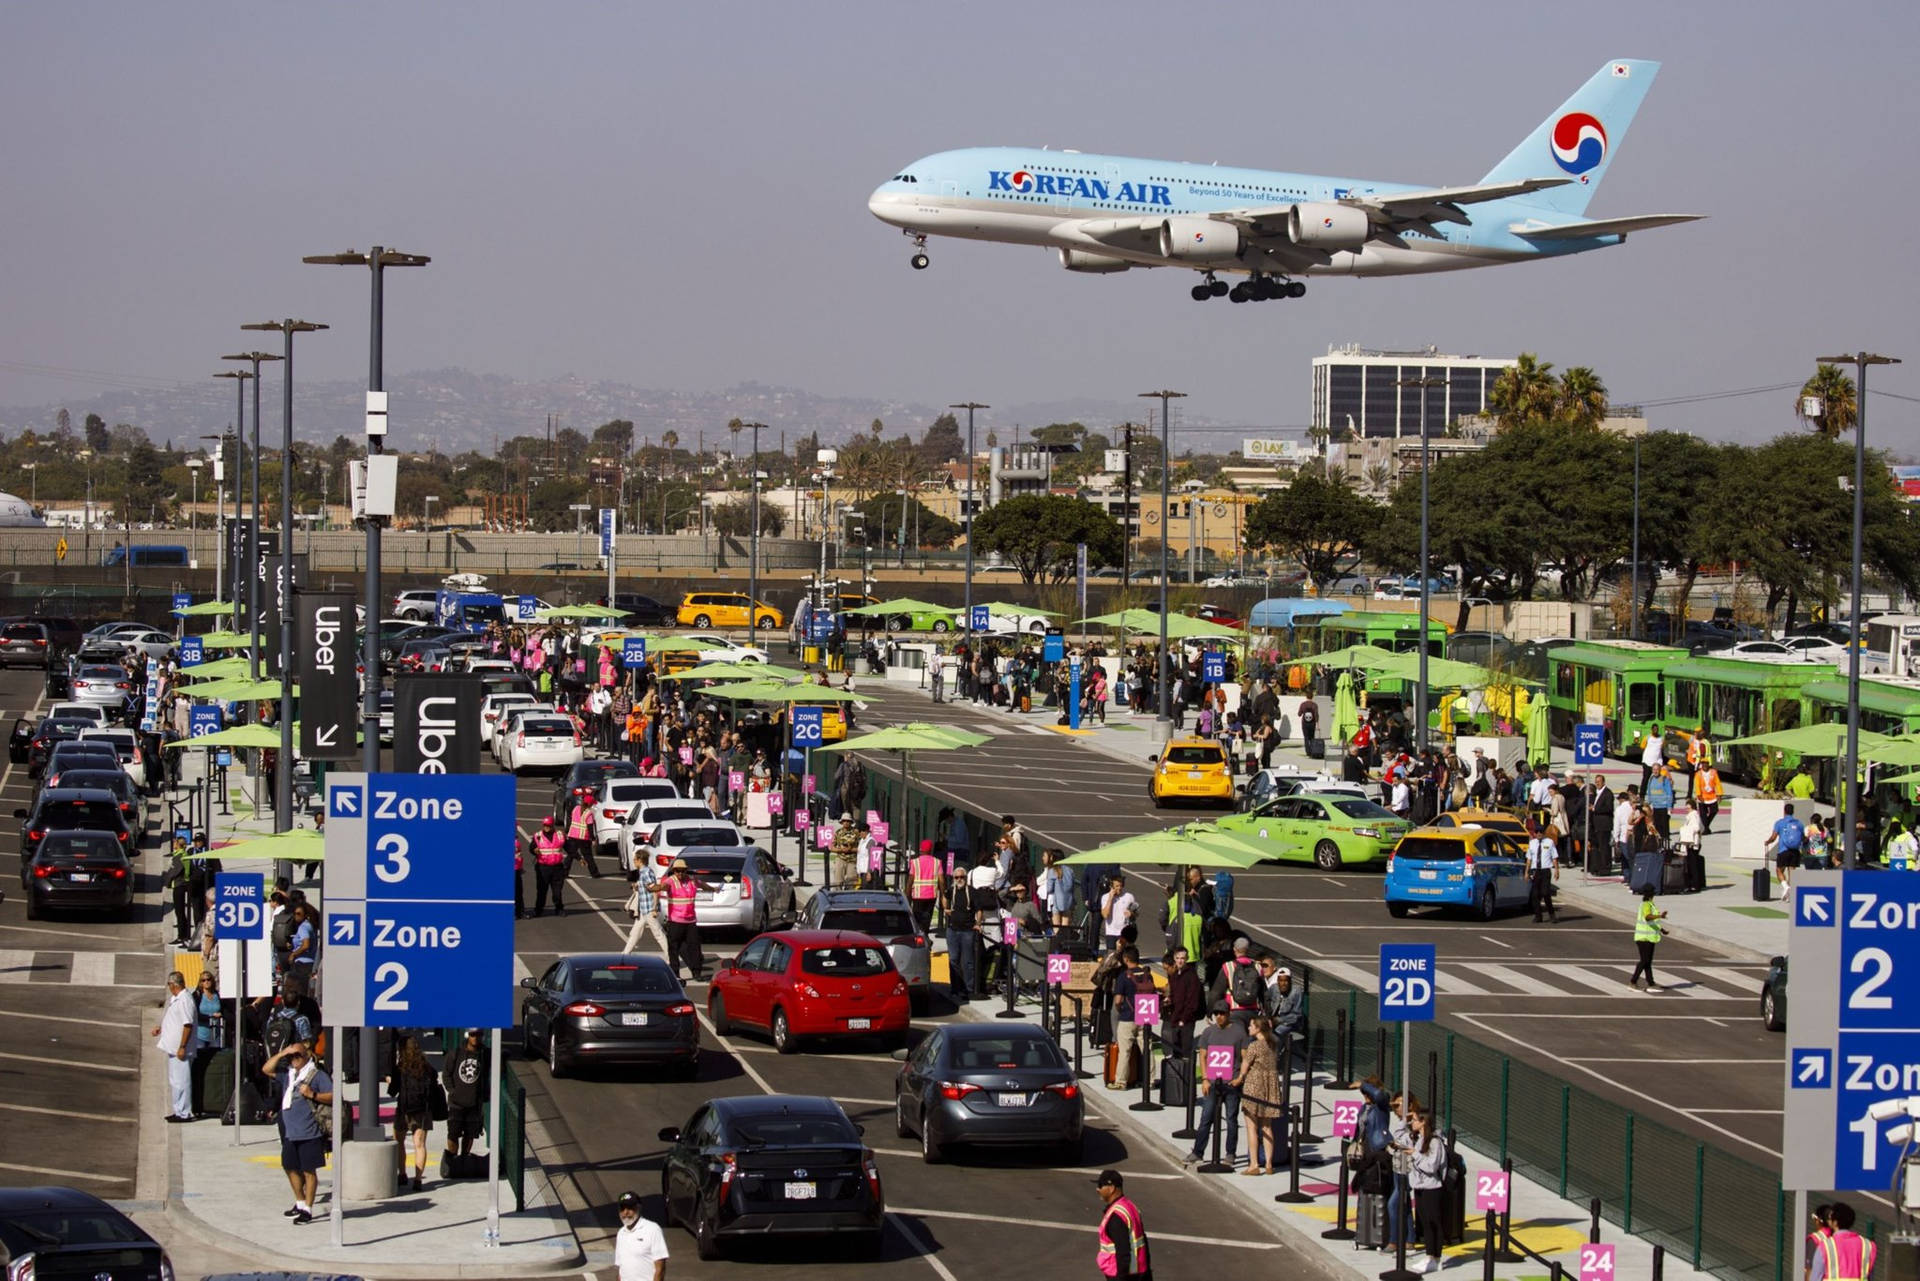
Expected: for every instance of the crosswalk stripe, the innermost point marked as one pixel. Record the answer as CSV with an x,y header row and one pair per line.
x,y
78,969
1451,984
1514,979
1728,981
1351,975
1607,984
92,969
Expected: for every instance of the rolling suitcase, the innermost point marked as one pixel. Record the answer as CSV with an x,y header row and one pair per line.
x,y
1673,875
1176,1082
471,1166
1646,872
1762,885
1316,749
1696,871
1370,1222
1453,1212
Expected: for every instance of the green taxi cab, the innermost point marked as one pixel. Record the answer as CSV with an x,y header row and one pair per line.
x,y
1331,831
1191,769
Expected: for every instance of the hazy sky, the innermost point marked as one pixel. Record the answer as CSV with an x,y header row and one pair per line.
x,y
673,195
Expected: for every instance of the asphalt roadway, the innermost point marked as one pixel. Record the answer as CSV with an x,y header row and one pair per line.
x,y
1694,1057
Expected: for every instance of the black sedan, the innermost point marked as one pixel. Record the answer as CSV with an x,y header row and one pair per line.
x,y
590,775
771,1165
989,1085
609,1008
67,809
33,753
78,869
645,611
113,779
58,1232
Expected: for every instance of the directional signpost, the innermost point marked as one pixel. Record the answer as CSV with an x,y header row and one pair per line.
x,y
239,914
808,726
633,651
329,681
978,620
1409,976
1589,744
193,651
1053,646
1073,692
1213,667
523,608
181,600
202,721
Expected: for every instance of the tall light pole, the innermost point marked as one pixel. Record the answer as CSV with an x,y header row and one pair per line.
x,y
251,566
1420,694
970,406
220,501
1633,601
33,484
193,528
283,775
753,516
1163,723
86,537
1859,360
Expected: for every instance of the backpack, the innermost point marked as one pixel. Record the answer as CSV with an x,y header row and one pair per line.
x,y
283,931
282,1030
1222,894
1245,983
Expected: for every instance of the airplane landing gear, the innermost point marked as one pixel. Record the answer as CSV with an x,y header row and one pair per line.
x,y
920,262
1209,288
1258,289
919,259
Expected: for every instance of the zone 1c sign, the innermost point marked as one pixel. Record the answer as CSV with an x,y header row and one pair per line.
x,y
1408,974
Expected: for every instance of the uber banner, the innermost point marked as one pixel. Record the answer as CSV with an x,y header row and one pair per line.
x,y
329,684
436,724
274,599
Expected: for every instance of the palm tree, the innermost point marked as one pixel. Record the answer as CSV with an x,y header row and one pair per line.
x,y
1583,397
669,441
1379,478
1837,405
1525,392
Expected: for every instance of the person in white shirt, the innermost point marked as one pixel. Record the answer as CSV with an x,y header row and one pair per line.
x,y
937,674
1652,753
1543,867
174,1038
1623,810
1116,909
639,1248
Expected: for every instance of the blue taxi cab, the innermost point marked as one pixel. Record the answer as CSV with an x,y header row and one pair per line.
x,y
1475,868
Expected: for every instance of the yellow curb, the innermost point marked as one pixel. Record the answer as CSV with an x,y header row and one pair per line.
x,y
1541,1238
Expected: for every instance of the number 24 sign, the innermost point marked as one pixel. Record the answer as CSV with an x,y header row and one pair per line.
x,y
1490,1191
1596,1263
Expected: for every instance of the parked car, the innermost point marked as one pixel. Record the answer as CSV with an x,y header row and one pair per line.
x,y
106,686
1475,868
1288,780
885,915
617,797
1512,825
73,753
126,750
66,809
146,640
416,603
1773,996
508,724
1191,769
923,620
759,1166
609,1008
90,775
988,1084
811,983
392,644
728,609
40,741
60,1232
718,649
638,832
1331,832
37,642
78,868
82,711
492,705
741,887
586,776
543,742
674,836
644,611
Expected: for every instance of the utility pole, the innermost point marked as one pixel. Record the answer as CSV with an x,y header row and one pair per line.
x,y
1126,510
1163,724
970,406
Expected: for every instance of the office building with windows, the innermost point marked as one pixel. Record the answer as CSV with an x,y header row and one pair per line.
x,y
1358,392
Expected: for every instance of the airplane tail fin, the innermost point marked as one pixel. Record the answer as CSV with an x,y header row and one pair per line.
x,y
1579,139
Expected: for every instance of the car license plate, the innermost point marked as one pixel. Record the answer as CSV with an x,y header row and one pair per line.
x,y
634,1020
1010,1100
859,1025
803,1191
1429,876
1193,773
80,878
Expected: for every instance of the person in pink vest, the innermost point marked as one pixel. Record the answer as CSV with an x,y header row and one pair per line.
x,y
1123,1233
923,886
678,893
550,866
1844,1255
582,835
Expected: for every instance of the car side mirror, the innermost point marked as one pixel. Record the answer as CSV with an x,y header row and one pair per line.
x,y
19,813
859,1129
669,1134
530,981
900,1055
785,870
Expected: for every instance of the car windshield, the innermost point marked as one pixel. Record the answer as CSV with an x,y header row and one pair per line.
x,y
845,961
64,728
103,815
77,844
1193,756
603,769
1430,849
789,1131
617,979
79,1227
21,631
1362,809
867,920
114,780
546,725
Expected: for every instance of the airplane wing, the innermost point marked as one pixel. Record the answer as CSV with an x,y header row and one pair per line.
x,y
1600,227
1442,204
1265,229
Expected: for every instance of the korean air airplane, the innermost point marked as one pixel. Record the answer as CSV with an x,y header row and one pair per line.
x,y
1112,213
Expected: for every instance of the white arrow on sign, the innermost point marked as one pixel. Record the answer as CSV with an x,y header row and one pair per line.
x,y
1813,907
1813,1068
325,735
346,803
346,930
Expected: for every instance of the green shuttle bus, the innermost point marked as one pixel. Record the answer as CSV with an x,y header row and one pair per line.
x,y
1616,682
1735,698
1395,629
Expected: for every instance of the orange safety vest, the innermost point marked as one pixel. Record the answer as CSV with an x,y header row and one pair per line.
x,y
1108,1259
1706,785
636,726
926,877
1698,751
1848,1255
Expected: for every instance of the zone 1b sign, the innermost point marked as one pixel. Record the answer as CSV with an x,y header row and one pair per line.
x,y
1408,974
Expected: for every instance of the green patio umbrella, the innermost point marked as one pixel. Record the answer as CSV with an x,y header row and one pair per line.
x,y
1133,620
1006,609
205,609
226,640
1366,658
238,689
298,846
562,613
914,736
780,692
1189,845
1897,750
1346,711
1817,740
1538,743
1445,671
899,605
736,671
217,669
238,736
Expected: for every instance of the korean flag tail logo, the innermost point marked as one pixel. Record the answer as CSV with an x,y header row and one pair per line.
x,y
1579,142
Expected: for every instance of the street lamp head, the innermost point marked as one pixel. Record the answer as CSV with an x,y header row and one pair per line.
x,y
193,464
1162,396
241,374
258,357
1857,358
970,405
288,326
354,258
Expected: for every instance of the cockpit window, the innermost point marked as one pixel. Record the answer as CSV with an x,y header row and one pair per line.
x,y
905,177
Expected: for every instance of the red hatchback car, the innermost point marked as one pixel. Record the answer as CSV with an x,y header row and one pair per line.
x,y
796,983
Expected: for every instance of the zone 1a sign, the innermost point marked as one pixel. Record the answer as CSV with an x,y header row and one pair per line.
x,y
1853,1029
1409,973
420,916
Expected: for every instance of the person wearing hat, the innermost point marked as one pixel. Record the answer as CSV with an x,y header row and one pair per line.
x,y
1123,1232
639,1248
1026,913
550,866
678,893
923,885
581,836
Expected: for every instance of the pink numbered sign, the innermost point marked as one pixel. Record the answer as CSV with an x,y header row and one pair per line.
x,y
1146,1007
1059,968
822,839
1218,1064
880,832
807,784
1596,1263
686,756
876,860
1009,931
1490,1193
802,820
736,780
949,862
776,804
1346,1118
873,816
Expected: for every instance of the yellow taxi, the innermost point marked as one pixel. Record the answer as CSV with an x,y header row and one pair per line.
x,y
1492,820
1191,769
728,609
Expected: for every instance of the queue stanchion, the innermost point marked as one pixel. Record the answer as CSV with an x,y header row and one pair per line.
x,y
1505,1252
1399,1271
1147,1038
1487,1255
1380,1055
1186,1067
1306,1093
1079,1035
1214,1164
1293,1195
1342,1065
1340,1231
1593,1223
1433,1080
1659,1263
1009,964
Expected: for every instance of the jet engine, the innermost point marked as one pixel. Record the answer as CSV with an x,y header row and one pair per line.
x,y
1328,226
1199,240
1096,264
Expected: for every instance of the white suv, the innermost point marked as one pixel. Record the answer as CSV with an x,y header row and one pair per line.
x,y
417,605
